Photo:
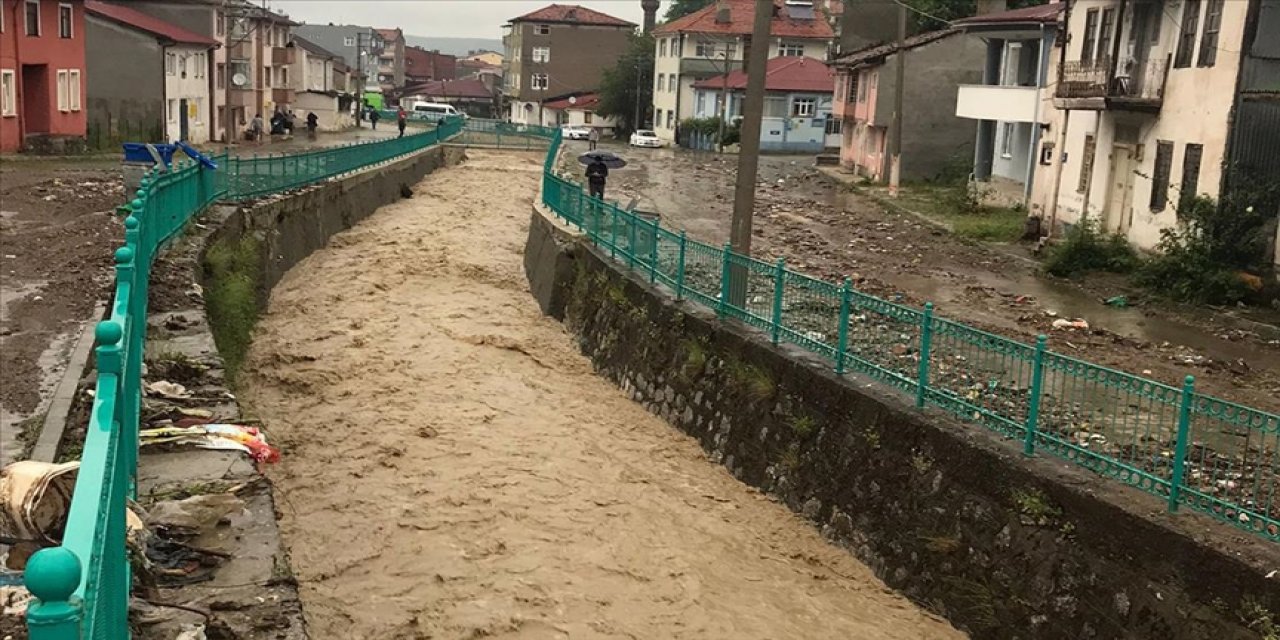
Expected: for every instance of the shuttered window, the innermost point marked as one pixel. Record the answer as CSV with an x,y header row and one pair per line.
x,y
1086,163
1160,179
1190,170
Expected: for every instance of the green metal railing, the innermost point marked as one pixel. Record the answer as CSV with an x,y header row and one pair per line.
x,y
1189,449
82,587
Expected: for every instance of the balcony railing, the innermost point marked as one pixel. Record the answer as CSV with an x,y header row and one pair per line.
x,y
283,55
1091,85
282,96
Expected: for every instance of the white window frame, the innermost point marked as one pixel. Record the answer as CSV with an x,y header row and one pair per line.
x,y
704,49
8,93
63,90
170,64
662,47
541,54
348,41
534,82
26,27
71,21
671,82
790,49
1006,142
171,110
73,87
804,107
542,29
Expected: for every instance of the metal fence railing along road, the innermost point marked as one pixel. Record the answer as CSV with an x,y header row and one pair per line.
x,y
82,587
1189,449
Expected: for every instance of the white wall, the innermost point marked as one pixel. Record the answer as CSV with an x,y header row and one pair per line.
x,y
194,88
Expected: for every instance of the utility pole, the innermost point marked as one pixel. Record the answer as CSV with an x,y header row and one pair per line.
x,y
895,140
724,97
639,90
744,196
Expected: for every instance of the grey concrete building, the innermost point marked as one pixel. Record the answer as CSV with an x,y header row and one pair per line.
x,y
360,47
556,51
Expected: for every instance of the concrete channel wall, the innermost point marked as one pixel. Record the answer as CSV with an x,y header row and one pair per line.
x,y
1003,545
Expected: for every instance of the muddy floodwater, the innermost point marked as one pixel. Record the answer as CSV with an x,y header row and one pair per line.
x,y
454,469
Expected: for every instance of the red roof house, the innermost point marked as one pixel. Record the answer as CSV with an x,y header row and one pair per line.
x,y
572,14
789,74
42,75
788,21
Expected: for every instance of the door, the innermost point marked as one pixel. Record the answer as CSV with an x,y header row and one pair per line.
x,y
37,99
1118,215
183,123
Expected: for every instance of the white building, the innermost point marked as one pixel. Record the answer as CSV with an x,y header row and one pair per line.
x,y
316,87
580,111
712,42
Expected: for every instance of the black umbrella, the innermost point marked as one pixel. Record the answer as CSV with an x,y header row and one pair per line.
x,y
610,160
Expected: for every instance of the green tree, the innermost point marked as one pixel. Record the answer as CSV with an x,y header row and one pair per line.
x,y
682,8
628,84
931,15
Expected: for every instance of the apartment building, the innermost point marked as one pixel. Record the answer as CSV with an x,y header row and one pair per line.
x,y
421,65
713,42
1158,98
360,47
391,59
557,51
42,61
320,85
258,62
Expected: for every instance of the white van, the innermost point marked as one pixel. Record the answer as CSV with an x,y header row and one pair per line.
x,y
435,110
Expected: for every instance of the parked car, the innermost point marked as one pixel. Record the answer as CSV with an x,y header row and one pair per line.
x,y
646,138
576,132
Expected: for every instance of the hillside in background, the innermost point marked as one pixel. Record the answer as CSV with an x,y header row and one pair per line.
x,y
454,46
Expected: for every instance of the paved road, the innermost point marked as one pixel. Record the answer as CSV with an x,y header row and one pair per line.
x,y
453,468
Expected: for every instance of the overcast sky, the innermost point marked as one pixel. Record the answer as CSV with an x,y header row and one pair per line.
x,y
469,19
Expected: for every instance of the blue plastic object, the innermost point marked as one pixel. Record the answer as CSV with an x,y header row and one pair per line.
x,y
197,156
137,152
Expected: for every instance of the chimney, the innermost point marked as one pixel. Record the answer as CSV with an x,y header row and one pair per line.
x,y
723,14
991,6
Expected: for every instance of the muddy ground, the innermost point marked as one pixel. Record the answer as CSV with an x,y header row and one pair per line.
x,y
57,234
832,232
490,483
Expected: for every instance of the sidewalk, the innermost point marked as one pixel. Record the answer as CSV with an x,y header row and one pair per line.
x,y
300,142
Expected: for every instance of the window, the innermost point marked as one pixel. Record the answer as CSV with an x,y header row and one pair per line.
x,y
662,82
587,117
803,107
542,54
348,41
1104,35
1209,37
170,63
1190,170
171,110
202,64
73,89
64,90
221,74
677,46
8,93
542,29
705,49
775,107
791,49
284,76
182,66
1006,142
862,90
670,115
662,48
1186,40
539,81
1012,60
834,126
264,74
1160,179
33,17
1086,163
671,82
219,23
1090,35
702,102
64,21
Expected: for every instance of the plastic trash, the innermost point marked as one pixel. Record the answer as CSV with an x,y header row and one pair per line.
x,y
233,437
1063,323
1118,302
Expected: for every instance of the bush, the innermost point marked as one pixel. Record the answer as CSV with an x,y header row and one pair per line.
x,y
1086,249
1201,259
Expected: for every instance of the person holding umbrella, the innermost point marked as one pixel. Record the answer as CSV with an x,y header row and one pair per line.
x,y
598,165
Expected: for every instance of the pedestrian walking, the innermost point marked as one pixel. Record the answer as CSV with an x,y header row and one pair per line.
x,y
597,174
593,137
373,119
402,118
313,122
255,128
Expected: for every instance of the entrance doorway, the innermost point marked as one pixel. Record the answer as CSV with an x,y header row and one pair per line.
x,y
1119,210
36,91
184,123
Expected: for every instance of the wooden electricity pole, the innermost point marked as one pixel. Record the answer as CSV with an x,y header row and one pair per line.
x,y
895,137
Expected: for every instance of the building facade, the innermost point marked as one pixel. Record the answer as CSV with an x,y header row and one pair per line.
x,y
580,111
713,42
1147,90
1013,103
470,96
259,63
360,48
148,80
421,65
391,60
557,51
42,75
933,137
320,86
797,105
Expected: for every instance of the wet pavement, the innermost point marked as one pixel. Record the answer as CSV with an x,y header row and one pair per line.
x,y
834,232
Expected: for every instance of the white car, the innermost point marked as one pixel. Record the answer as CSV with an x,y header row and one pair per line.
x,y
646,138
574,132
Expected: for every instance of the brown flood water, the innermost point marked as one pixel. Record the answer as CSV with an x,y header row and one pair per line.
x,y
454,469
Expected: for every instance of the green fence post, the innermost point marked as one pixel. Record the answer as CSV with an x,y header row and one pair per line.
x,y
613,226
52,576
653,252
842,332
1180,444
722,305
631,240
779,281
684,239
1037,384
926,344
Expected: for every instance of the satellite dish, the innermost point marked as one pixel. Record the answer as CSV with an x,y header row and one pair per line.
x,y
239,80
573,100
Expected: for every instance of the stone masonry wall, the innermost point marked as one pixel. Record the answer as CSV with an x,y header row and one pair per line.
x,y
1006,547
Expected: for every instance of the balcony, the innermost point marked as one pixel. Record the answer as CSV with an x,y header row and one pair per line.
x,y
702,67
240,49
283,55
1089,85
1004,103
282,96
242,97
